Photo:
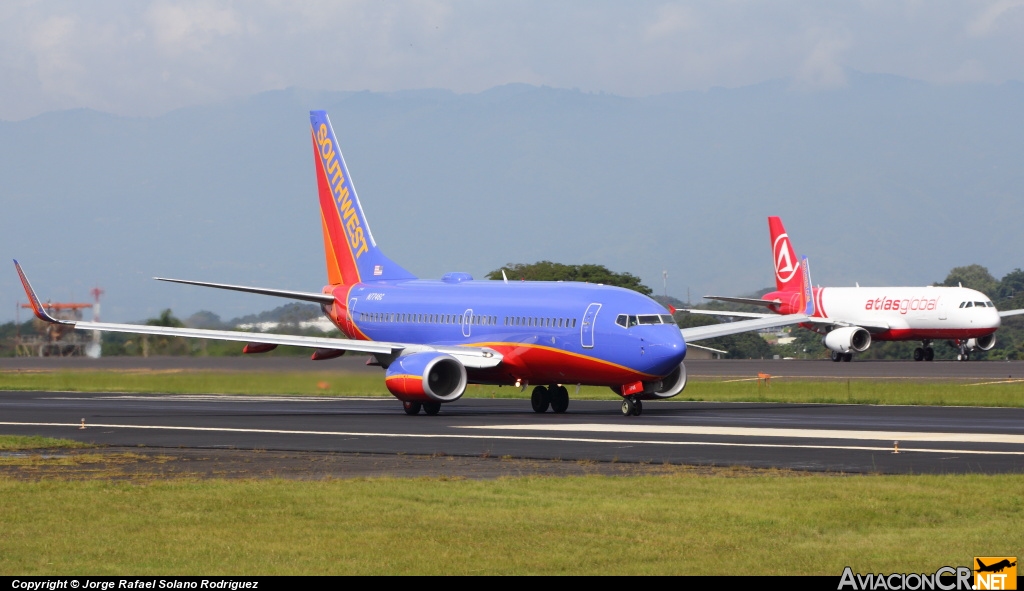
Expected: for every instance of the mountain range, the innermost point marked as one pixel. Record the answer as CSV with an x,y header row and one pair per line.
x,y
884,181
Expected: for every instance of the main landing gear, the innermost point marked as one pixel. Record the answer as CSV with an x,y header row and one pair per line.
x,y
413,408
924,352
632,405
837,356
557,397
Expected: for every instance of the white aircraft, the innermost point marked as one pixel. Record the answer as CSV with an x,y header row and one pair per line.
x,y
850,318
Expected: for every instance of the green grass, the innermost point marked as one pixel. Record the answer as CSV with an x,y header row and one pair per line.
x,y
732,523
855,391
198,382
861,391
20,442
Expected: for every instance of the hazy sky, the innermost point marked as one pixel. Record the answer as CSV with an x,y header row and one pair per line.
x,y
138,57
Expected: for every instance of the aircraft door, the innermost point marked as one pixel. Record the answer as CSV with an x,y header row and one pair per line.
x,y
466,317
587,328
942,309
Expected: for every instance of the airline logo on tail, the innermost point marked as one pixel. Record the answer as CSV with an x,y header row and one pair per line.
x,y
785,266
341,188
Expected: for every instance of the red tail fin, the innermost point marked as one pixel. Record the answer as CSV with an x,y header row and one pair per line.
x,y
787,266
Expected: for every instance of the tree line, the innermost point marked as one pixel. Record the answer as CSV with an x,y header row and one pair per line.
x,y
1007,293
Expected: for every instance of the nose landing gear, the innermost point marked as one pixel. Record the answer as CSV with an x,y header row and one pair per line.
x,y
632,405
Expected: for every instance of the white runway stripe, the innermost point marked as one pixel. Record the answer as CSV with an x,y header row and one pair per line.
x,y
589,440
900,436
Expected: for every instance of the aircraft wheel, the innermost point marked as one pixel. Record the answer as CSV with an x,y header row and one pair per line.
x,y
559,399
638,407
627,407
847,357
432,408
929,354
959,356
540,399
967,356
411,408
837,356
918,354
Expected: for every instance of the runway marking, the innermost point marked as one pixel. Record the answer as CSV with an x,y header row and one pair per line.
x,y
900,436
999,382
590,440
225,398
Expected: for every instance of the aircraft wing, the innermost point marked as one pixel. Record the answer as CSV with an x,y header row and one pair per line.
x,y
699,333
1006,313
834,322
474,357
729,313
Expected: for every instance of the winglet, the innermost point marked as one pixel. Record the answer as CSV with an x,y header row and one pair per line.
x,y
33,299
808,289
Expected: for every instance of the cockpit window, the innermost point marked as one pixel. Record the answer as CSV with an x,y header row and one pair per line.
x,y
969,305
629,320
979,304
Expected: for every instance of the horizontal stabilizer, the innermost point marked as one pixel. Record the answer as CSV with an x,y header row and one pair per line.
x,y
319,298
749,301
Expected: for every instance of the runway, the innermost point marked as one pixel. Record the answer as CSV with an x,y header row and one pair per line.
x,y
816,437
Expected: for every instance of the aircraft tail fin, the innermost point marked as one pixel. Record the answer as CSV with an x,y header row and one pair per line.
x,y
787,267
352,255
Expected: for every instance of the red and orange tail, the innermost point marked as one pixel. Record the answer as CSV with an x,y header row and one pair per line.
x,y
352,255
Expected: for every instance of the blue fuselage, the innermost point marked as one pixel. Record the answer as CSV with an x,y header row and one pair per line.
x,y
547,332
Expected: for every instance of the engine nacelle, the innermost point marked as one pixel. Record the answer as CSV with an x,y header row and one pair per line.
x,y
668,386
426,377
846,339
984,343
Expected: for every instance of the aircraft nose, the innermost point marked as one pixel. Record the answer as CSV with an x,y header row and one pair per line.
x,y
664,355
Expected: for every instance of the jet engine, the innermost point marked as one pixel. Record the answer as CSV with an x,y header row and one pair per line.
x,y
428,377
668,386
984,343
847,338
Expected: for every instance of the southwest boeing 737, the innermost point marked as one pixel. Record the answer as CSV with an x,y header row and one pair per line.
x,y
433,337
850,318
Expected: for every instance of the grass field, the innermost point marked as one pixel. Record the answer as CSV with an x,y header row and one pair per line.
x,y
732,522
1008,393
728,521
